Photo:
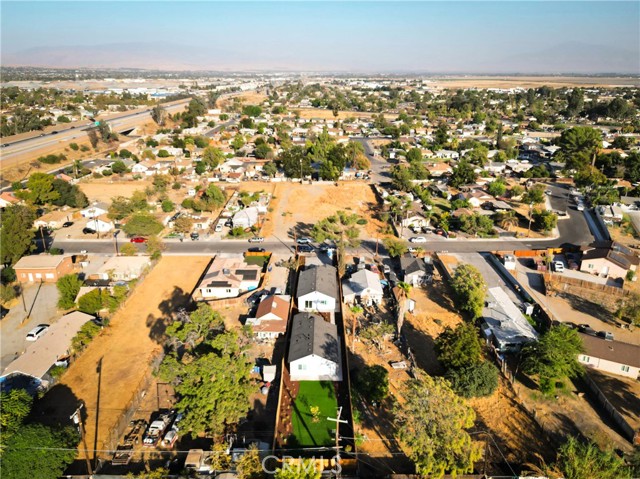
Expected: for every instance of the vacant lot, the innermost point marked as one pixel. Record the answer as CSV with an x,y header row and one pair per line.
x,y
298,207
125,349
530,82
307,429
106,189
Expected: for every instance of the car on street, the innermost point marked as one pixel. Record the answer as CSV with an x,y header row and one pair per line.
x,y
558,266
303,241
586,329
256,239
138,239
305,248
194,236
88,231
605,335
418,239
256,250
37,332
66,224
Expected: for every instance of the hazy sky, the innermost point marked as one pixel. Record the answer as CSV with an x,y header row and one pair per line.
x,y
451,36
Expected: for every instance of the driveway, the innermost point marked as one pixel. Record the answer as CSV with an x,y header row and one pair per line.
x,y
42,305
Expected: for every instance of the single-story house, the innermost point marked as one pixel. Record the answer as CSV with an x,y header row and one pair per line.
x,y
439,169
613,357
448,154
608,259
123,268
271,317
95,210
7,198
246,218
504,324
101,225
476,197
414,270
314,349
42,268
318,289
53,219
53,346
363,285
415,218
228,278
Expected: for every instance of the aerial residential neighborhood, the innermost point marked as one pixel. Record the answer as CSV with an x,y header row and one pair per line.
x,y
311,253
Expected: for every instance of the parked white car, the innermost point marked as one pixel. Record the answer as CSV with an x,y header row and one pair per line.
x,y
558,266
36,332
418,239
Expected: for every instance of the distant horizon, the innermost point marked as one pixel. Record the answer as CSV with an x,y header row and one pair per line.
x,y
436,38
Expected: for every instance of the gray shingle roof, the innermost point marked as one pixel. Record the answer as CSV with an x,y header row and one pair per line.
x,y
318,278
310,334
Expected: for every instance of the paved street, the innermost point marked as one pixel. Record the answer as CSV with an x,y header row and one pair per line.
x,y
575,229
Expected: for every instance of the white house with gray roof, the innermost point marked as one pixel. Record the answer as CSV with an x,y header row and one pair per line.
x,y
314,349
318,289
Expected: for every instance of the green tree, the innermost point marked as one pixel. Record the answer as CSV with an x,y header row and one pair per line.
x,y
36,450
469,289
401,178
200,325
476,224
159,115
213,384
629,309
16,233
183,224
119,167
155,247
270,169
432,422
264,151
250,464
497,188
395,247
553,357
463,174
212,157
237,142
476,380
303,469
459,347
16,406
252,110
372,383
168,206
579,146
68,288
544,220
40,189
295,161
534,195
142,224
214,197
93,301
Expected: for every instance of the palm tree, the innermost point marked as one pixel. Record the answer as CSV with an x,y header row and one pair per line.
x,y
507,220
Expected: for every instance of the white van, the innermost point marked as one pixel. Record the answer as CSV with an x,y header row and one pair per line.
x,y
558,266
219,227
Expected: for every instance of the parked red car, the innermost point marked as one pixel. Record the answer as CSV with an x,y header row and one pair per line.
x,y
138,239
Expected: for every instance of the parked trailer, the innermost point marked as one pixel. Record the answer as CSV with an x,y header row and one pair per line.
x,y
124,452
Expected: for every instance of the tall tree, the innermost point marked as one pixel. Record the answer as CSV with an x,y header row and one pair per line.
x,y
40,189
432,422
68,288
459,347
159,115
16,405
469,288
196,327
16,233
579,146
553,357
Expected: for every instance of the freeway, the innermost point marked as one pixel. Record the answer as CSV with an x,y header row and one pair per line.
x,y
77,132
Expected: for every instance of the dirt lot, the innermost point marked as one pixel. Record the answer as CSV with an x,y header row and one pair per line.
x,y
513,430
300,206
105,189
530,82
309,113
124,350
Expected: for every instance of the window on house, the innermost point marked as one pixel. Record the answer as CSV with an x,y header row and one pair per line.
x,y
324,302
38,275
302,367
590,266
585,359
228,290
308,304
49,276
625,369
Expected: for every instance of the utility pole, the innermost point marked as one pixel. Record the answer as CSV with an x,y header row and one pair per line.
x,y
338,421
76,417
530,218
44,243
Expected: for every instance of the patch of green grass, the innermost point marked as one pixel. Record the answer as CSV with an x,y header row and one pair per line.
x,y
306,432
259,260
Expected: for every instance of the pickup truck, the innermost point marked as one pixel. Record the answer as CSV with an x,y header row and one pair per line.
x,y
156,430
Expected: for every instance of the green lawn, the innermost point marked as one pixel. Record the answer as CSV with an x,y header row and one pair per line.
x,y
258,260
306,432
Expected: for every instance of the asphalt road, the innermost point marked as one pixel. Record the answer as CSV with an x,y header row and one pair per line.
x,y
574,229
379,167
33,145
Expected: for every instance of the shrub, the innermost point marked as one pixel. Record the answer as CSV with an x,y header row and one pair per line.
x,y
55,251
163,154
8,274
87,332
362,221
476,380
68,287
7,293
372,383
74,146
